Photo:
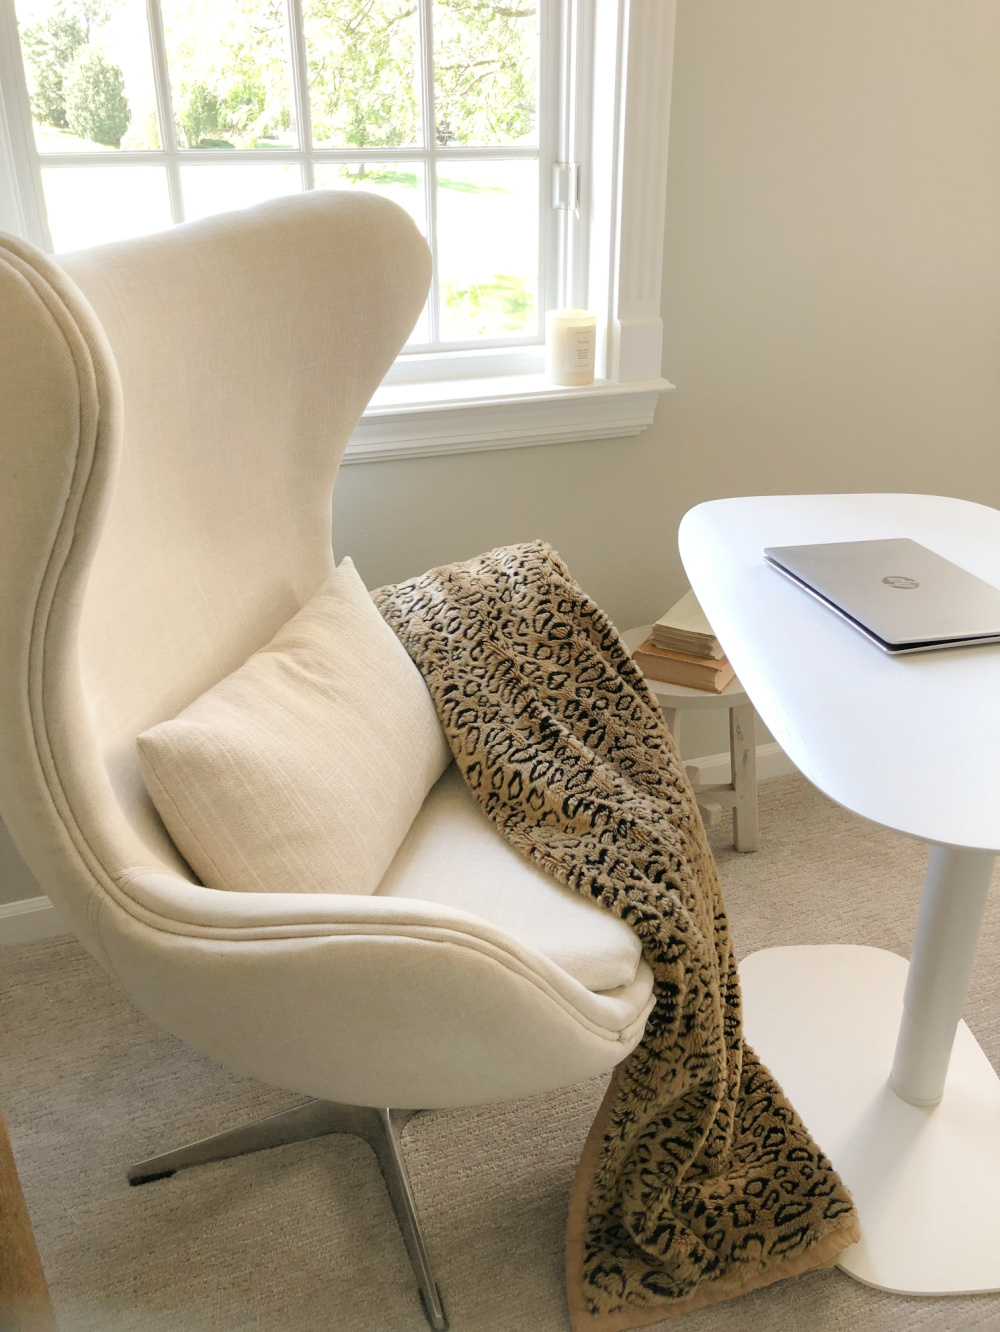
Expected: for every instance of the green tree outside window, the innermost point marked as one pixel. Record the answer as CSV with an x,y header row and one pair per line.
x,y
96,106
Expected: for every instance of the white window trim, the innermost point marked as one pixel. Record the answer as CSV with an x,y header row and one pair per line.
x,y
613,120
468,412
614,125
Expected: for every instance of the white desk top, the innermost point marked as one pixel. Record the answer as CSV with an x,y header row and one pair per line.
x,y
912,742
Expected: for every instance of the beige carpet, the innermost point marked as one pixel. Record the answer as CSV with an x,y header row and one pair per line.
x,y
303,1237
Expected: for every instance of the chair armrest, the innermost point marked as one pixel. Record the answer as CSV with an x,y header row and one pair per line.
x,y
411,1003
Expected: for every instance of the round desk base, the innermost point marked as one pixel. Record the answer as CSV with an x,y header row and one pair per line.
x,y
926,1181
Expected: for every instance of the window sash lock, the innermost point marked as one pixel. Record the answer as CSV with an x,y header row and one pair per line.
x,y
566,185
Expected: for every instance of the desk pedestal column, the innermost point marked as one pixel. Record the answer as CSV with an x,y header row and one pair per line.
x,y
951,913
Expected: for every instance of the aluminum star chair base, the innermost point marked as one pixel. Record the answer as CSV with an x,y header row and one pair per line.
x,y
380,1129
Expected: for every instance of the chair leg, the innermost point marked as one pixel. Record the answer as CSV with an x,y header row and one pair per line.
x,y
386,1144
312,1119
743,749
379,1128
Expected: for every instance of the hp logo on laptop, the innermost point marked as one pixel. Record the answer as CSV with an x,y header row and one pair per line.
x,y
897,580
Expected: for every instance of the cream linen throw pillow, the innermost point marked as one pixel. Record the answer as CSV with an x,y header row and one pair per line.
x,y
302,771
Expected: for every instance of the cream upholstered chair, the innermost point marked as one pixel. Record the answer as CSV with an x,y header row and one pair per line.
x,y
173,412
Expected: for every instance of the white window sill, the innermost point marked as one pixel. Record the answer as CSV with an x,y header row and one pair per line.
x,y
413,420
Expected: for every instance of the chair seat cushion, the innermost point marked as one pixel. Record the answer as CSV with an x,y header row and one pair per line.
x,y
452,854
302,770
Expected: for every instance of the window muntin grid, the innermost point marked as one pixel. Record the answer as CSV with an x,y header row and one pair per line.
x,y
516,229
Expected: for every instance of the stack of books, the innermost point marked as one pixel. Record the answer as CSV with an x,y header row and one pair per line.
x,y
682,650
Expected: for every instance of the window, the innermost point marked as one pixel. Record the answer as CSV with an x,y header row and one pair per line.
x,y
521,135
144,115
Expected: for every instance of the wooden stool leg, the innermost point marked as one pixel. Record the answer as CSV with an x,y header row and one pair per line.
x,y
743,751
24,1298
672,716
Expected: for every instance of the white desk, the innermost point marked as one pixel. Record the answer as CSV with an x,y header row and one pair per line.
x,y
919,1146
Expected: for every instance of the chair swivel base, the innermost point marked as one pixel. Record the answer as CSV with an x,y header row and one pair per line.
x,y
380,1129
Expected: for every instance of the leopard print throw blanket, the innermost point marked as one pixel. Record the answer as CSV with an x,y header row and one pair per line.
x,y
698,1180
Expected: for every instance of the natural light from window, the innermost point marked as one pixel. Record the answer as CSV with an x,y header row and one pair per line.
x,y
149,115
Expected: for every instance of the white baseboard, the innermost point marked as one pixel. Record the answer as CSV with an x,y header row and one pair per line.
x,y
715,769
28,920
36,917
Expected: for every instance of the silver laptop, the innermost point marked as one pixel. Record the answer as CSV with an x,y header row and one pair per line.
x,y
897,593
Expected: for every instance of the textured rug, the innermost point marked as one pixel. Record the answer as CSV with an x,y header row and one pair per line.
x,y
303,1237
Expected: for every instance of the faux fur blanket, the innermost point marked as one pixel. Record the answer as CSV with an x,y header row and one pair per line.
x,y
698,1180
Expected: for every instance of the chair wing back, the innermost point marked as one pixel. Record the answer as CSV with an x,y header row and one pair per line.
x,y
173,411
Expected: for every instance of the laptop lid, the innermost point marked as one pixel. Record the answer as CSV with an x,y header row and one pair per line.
x,y
900,594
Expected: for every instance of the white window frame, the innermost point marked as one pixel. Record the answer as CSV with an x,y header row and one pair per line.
x,y
601,242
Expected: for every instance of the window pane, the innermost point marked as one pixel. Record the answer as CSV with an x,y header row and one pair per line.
x,y
487,249
230,73
219,189
89,73
402,182
93,204
486,71
363,58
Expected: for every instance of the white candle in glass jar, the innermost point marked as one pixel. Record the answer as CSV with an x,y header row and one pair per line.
x,y
570,346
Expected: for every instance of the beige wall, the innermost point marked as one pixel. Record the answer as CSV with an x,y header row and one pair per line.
x,y
832,298
16,882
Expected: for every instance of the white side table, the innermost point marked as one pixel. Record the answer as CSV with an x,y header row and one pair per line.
x,y
740,793
872,1052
